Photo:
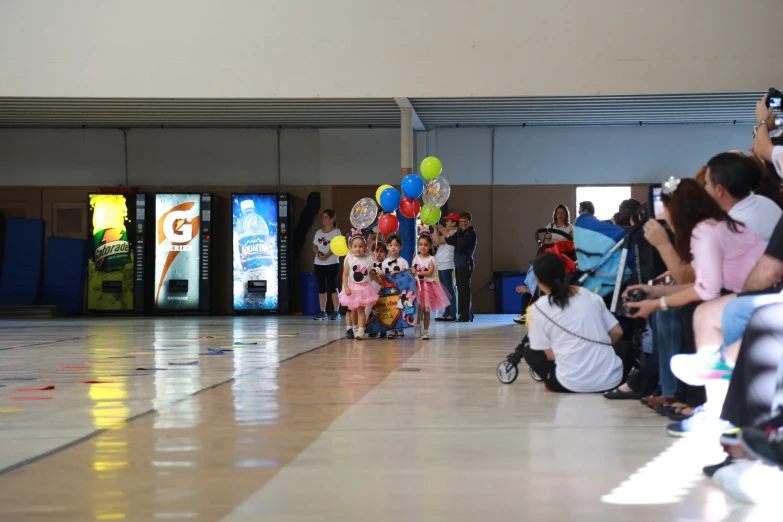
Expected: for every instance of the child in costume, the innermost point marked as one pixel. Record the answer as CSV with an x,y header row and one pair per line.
x,y
432,294
357,292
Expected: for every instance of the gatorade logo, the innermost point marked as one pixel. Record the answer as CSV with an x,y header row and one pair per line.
x,y
179,226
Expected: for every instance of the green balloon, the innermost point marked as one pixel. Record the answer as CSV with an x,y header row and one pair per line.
x,y
430,214
431,167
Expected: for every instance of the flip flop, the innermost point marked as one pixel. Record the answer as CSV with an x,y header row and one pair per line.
x,y
618,395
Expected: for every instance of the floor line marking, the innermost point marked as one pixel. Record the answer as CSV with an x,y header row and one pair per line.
x,y
96,433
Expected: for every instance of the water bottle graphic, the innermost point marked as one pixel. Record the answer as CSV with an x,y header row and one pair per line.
x,y
255,251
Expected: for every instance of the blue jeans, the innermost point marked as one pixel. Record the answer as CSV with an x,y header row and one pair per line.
x,y
738,312
447,279
668,335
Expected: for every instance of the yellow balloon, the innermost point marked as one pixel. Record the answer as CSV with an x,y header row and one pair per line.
x,y
338,246
378,192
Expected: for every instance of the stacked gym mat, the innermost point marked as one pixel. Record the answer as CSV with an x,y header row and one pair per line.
x,y
64,274
22,259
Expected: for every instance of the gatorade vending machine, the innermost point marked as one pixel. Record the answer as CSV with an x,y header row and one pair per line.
x,y
115,275
183,253
261,226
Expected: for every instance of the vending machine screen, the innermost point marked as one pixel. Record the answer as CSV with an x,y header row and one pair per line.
x,y
110,268
177,252
255,241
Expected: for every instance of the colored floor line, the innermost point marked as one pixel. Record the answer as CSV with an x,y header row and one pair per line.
x,y
96,433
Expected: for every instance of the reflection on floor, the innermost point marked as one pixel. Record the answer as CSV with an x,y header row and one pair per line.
x,y
281,419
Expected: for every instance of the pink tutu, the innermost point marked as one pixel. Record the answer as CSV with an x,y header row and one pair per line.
x,y
362,294
433,296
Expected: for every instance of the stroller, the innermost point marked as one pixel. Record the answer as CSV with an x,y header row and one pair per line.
x,y
604,269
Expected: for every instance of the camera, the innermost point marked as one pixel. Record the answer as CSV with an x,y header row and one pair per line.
x,y
634,296
774,98
779,120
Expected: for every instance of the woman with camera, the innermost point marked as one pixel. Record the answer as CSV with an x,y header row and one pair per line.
x,y
722,253
572,335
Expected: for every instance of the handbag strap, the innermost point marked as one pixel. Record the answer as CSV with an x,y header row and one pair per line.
x,y
569,331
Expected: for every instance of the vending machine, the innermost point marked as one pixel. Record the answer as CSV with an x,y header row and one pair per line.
x,y
183,253
261,226
115,274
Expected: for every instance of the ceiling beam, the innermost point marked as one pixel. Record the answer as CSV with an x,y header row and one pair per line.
x,y
404,103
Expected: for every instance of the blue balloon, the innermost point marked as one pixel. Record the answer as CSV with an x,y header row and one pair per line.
x,y
412,186
390,199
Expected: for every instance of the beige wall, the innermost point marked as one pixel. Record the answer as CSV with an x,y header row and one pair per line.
x,y
375,48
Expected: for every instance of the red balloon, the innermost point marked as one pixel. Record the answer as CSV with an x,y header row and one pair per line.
x,y
410,207
388,224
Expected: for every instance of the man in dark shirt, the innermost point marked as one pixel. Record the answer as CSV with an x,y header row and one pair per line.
x,y
464,243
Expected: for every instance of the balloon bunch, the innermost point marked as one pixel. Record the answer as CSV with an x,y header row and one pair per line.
x,y
434,195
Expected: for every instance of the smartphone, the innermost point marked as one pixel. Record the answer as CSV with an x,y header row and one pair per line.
x,y
655,203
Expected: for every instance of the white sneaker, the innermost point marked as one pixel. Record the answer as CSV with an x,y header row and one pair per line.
x,y
359,334
425,336
417,331
520,319
751,482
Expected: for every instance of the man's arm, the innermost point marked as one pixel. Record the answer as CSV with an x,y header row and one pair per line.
x,y
453,239
767,272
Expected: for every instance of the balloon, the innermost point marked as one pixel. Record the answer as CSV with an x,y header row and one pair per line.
x,y
380,191
431,167
339,246
390,199
412,186
437,192
430,214
409,207
363,213
388,224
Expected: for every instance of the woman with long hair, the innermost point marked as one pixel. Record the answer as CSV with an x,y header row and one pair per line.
x,y
721,250
561,220
573,335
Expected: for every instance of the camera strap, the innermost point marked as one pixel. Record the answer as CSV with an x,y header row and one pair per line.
x,y
566,330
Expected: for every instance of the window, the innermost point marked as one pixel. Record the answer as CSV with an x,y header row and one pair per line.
x,y
605,199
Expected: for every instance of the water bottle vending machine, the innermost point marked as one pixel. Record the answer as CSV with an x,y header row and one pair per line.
x,y
261,225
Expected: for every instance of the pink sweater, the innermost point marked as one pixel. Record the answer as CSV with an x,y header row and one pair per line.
x,y
722,258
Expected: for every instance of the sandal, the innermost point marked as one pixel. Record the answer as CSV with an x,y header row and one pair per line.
x,y
678,415
618,395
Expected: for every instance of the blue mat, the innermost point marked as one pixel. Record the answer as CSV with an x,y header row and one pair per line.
x,y
65,274
22,259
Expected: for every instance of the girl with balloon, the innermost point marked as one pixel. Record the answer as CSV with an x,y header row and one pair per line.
x,y
357,291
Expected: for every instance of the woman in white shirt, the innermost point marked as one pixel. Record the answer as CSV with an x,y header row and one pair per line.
x,y
444,257
572,335
561,220
327,265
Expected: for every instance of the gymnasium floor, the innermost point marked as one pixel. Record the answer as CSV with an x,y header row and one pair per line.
x,y
304,426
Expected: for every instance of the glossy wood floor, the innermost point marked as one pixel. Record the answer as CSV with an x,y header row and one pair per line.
x,y
306,426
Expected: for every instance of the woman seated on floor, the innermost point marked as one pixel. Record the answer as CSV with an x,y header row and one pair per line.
x,y
572,334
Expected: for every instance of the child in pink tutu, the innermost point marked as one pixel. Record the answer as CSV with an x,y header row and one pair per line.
x,y
432,294
357,292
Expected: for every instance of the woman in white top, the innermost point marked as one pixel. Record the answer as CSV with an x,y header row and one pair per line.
x,y
444,257
561,220
572,335
327,265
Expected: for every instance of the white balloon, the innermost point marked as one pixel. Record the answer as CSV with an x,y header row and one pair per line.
x,y
363,213
437,192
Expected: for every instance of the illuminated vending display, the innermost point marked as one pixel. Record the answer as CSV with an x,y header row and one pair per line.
x,y
183,253
117,231
260,252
